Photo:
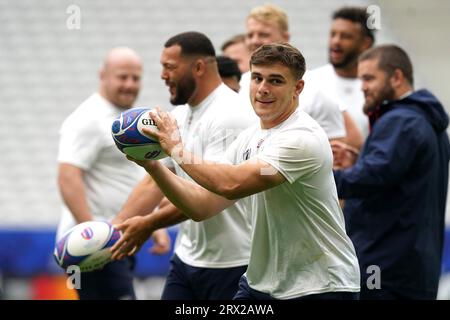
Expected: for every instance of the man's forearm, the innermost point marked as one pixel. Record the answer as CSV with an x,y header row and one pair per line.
x,y
193,200
165,217
72,189
232,182
354,137
215,177
77,204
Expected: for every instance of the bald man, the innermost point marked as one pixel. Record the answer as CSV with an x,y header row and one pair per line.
x,y
94,177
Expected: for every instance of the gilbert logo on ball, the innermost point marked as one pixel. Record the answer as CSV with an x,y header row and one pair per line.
x,y
129,138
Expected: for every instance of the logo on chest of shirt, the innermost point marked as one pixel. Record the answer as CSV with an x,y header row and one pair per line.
x,y
260,142
247,153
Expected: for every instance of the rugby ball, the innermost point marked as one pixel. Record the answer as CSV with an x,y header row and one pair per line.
x,y
86,245
128,136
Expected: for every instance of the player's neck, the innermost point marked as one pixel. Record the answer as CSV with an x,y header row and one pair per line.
x,y
204,89
102,93
349,71
269,123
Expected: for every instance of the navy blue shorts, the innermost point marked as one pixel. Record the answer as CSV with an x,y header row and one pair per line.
x,y
113,282
185,282
247,293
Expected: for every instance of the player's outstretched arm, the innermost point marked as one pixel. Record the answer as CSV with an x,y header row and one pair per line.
x,y
193,200
229,181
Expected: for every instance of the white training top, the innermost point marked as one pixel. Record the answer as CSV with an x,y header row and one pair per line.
x,y
86,142
207,129
299,244
314,102
346,91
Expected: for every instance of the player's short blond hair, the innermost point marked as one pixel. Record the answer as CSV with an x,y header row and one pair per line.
x,y
271,14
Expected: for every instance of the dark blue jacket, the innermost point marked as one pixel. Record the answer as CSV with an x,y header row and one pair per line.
x,y
396,193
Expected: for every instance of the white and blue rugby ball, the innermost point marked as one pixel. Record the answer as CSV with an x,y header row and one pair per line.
x,y
86,245
127,133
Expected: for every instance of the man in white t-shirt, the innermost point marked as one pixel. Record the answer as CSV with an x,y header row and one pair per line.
x,y
269,24
94,177
349,37
284,165
210,256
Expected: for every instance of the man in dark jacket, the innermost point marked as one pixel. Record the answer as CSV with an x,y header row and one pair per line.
x,y
396,191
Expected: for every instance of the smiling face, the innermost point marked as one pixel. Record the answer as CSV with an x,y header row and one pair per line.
x,y
274,93
120,78
177,74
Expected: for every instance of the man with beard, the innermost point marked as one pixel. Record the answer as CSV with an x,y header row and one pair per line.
x,y
210,256
396,191
349,37
94,178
